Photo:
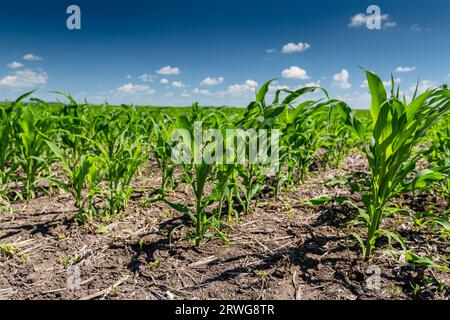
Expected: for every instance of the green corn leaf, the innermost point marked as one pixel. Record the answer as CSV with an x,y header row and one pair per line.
x,y
263,91
378,93
320,201
424,261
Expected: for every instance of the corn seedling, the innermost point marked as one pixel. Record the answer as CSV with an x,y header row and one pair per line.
x,y
121,157
7,154
440,157
397,127
82,174
162,150
31,148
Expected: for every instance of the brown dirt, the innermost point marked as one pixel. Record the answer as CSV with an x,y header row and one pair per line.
x,y
283,249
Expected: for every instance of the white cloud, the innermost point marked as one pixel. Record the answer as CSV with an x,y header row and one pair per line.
x,y
204,92
15,65
208,81
389,24
313,84
169,94
130,88
185,95
178,84
292,47
415,27
405,69
129,77
24,78
356,100
276,87
251,83
247,87
168,70
360,20
340,80
271,50
32,57
164,81
295,72
146,77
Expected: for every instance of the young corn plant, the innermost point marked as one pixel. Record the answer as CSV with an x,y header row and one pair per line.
x,y
162,151
73,127
251,181
336,142
81,180
440,157
31,149
7,150
397,127
121,155
197,174
299,124
301,139
226,189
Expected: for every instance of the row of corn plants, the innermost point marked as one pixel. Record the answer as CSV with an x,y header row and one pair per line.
x,y
222,190
93,154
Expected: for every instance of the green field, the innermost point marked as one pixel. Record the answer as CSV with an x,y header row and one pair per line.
x,y
384,173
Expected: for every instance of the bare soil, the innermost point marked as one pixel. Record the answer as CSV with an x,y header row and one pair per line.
x,y
283,249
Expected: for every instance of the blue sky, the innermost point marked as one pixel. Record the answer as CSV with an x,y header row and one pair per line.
x,y
215,52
